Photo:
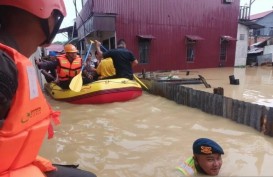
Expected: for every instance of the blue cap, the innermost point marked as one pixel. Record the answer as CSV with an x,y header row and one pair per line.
x,y
52,53
206,146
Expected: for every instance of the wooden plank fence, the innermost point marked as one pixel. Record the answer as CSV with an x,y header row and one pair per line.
x,y
253,115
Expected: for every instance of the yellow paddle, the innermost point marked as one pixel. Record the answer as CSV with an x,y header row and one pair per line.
x,y
76,82
141,83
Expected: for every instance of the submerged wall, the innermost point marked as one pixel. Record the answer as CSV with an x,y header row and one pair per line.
x,y
256,116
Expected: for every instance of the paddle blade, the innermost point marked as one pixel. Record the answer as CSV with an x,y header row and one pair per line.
x,y
141,83
76,83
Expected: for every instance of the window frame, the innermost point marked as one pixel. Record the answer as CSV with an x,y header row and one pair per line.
x,y
223,50
144,45
242,37
190,51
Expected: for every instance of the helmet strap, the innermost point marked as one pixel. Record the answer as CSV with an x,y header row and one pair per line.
x,y
44,24
45,27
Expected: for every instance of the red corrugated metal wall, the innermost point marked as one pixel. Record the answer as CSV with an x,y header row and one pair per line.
x,y
169,21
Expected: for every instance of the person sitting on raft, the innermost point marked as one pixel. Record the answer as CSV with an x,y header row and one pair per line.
x,y
68,65
89,70
123,59
50,75
105,69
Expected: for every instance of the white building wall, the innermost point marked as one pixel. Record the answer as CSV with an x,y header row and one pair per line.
x,y
241,45
268,49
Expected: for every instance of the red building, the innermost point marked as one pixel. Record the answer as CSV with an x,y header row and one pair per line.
x,y
165,34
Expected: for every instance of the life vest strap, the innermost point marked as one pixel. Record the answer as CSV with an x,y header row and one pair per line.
x,y
55,117
43,164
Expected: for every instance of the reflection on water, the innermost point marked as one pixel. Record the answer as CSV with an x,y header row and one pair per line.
x,y
149,135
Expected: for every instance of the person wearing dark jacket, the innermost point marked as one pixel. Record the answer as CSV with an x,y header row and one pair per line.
x,y
50,75
123,59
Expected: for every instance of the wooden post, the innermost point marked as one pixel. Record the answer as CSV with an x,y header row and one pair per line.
x,y
204,81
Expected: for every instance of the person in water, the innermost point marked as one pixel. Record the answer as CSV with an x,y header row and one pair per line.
x,y
25,114
206,159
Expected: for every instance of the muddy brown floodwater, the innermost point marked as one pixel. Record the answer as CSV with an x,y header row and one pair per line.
x,y
149,135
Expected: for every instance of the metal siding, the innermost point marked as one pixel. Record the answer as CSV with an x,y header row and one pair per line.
x,y
266,21
169,21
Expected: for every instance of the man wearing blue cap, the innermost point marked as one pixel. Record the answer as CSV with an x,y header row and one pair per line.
x,y
206,158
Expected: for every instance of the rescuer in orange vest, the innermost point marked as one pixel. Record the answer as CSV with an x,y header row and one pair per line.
x,y
68,65
25,114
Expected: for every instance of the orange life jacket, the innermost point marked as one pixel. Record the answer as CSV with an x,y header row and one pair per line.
x,y
68,70
26,124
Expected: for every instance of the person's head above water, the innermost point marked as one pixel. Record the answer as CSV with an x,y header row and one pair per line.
x,y
207,156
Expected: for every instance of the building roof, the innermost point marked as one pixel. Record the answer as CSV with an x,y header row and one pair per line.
x,y
261,43
255,50
258,47
55,47
260,15
251,25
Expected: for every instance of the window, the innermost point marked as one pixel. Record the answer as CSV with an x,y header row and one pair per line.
x,y
251,32
242,37
191,41
109,43
144,47
105,43
190,51
223,50
144,42
112,43
225,40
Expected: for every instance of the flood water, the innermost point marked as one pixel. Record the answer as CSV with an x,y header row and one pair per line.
x,y
147,136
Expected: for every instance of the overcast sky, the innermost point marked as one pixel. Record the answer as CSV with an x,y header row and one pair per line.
x,y
257,7
70,17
